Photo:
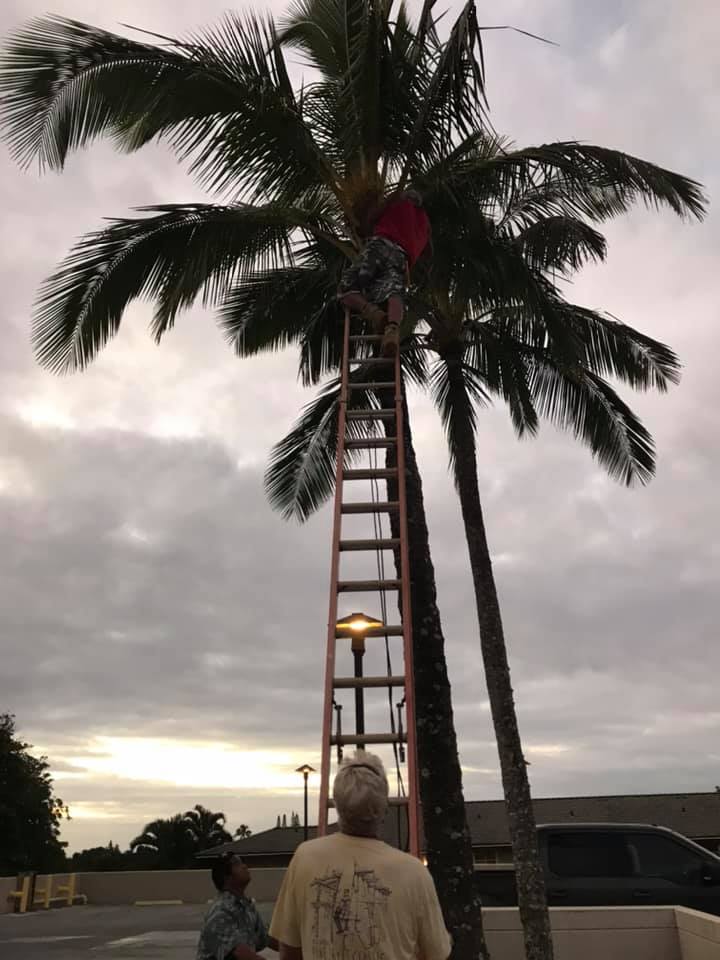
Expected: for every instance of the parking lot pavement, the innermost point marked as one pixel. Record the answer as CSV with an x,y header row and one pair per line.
x,y
106,933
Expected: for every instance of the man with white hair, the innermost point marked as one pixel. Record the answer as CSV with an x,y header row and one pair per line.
x,y
348,895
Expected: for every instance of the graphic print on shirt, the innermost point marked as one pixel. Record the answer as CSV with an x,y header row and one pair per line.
x,y
346,918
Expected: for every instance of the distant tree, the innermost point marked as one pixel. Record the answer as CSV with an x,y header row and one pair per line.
x,y
101,859
30,813
243,832
207,828
166,844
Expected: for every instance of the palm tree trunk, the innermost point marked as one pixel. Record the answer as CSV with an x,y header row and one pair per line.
x,y
447,837
521,817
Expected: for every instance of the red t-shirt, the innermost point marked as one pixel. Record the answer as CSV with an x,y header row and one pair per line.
x,y
406,225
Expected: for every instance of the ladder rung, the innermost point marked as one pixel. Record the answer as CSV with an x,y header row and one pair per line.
x,y
371,360
389,544
392,802
384,506
364,586
350,683
385,414
366,338
372,385
349,739
391,630
370,443
381,473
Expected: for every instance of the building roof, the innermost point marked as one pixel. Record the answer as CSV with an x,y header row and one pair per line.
x,y
695,815
278,840
282,841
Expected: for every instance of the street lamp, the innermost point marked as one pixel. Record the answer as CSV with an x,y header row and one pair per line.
x,y
305,770
356,626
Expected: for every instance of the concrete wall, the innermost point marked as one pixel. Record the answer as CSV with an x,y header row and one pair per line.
x,y
190,886
125,887
591,933
699,935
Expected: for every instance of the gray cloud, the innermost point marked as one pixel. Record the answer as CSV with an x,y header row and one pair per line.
x,y
148,591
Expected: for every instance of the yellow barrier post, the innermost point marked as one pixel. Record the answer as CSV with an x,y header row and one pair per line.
x,y
68,889
22,896
46,894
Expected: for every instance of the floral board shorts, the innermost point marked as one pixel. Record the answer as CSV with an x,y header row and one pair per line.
x,y
378,273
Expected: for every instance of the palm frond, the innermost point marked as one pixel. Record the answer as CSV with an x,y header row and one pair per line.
x,y
484,271
322,343
223,99
597,182
65,83
451,95
375,74
172,257
300,476
560,243
266,147
457,389
267,311
611,348
578,400
319,29
496,355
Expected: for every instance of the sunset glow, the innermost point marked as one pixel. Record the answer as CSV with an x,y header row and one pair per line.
x,y
190,763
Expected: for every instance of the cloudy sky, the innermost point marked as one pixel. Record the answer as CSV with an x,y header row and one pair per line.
x,y
162,631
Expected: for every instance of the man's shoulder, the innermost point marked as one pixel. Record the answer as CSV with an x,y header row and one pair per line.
x,y
221,904
228,905
308,849
404,859
414,871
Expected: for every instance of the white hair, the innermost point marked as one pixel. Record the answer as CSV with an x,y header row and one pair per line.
x,y
361,792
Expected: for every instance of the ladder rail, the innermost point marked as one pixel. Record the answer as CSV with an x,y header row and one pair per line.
x,y
334,577
347,416
411,749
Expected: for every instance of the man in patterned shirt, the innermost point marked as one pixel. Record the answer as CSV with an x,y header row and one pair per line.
x,y
233,928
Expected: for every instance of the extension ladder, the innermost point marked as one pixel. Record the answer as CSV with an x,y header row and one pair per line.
x,y
364,428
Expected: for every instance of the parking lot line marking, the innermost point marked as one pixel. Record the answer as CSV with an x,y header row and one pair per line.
x,y
77,936
167,937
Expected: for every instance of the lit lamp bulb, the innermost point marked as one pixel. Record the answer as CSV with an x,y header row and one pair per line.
x,y
358,623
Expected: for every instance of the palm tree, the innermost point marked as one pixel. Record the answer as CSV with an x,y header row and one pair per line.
x,y
302,171
168,843
542,356
242,832
474,362
297,173
207,828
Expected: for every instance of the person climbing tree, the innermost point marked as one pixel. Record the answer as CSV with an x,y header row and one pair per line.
x,y
400,233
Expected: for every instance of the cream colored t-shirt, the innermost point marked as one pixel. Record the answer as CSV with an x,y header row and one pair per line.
x,y
352,898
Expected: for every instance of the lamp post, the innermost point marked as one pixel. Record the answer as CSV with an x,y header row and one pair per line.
x,y
305,770
357,626
357,645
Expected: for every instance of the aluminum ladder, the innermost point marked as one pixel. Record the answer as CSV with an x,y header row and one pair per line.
x,y
363,431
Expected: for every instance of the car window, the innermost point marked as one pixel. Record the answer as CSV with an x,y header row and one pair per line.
x,y
664,857
589,854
